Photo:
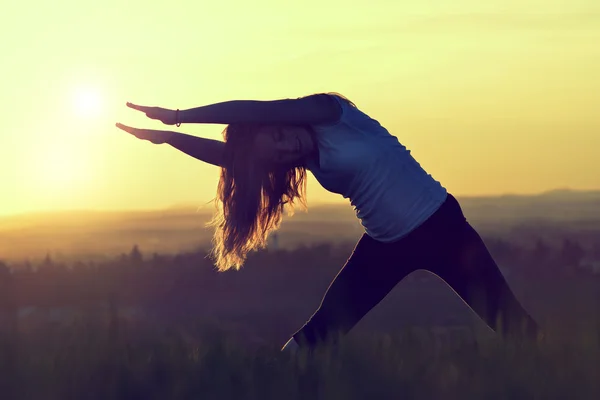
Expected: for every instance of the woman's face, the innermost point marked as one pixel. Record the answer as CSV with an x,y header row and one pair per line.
x,y
284,145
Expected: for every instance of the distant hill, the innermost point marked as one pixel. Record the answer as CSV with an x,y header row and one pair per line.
x,y
182,226
556,205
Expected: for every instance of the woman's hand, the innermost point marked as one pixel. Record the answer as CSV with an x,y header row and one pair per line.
x,y
166,116
151,135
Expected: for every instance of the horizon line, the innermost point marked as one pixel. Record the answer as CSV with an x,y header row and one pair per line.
x,y
191,205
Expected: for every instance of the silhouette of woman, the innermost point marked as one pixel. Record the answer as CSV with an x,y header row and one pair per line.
x,y
411,222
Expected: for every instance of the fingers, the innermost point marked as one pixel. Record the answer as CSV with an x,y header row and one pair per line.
x,y
138,133
144,134
137,107
126,128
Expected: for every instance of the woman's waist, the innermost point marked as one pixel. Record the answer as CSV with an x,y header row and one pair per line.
x,y
391,217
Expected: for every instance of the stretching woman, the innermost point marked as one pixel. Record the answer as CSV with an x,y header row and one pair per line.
x,y
411,222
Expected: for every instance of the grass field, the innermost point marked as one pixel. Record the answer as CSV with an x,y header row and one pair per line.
x,y
106,358
173,328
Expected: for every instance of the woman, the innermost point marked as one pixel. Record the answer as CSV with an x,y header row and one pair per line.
x,y
411,222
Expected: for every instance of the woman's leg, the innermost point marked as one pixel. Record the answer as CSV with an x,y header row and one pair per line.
x,y
465,264
371,272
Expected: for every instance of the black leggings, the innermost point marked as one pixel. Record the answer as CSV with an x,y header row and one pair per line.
x,y
445,245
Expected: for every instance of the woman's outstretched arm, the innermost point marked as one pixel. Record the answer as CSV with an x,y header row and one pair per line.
x,y
207,150
310,110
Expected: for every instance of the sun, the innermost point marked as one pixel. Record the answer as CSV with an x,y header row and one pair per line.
x,y
87,102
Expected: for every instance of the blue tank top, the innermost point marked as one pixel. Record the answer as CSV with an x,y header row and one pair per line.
x,y
359,159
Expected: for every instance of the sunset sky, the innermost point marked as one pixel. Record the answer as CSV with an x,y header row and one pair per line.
x,y
493,97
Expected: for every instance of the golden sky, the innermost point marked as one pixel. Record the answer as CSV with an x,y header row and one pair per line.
x,y
492,97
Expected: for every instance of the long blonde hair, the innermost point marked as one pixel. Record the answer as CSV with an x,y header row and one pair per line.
x,y
250,198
